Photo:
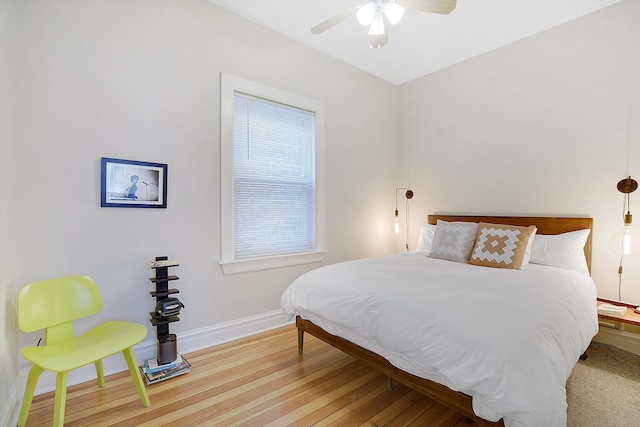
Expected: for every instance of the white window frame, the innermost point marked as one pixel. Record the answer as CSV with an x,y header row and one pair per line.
x,y
229,86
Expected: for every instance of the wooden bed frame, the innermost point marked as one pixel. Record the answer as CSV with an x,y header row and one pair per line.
x,y
455,400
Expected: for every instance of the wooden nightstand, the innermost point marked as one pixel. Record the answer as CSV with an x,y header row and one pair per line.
x,y
622,332
630,321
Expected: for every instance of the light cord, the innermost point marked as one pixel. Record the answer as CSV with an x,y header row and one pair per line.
x,y
406,222
620,278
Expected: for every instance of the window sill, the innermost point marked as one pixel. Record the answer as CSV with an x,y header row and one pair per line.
x,y
266,263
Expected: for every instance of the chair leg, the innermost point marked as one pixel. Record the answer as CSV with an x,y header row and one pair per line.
x,y
61,399
32,380
100,372
135,374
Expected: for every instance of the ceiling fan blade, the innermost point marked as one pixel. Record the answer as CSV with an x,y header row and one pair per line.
x,y
377,41
324,26
434,6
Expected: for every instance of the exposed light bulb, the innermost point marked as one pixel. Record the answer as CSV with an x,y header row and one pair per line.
x,y
366,14
625,243
396,224
394,12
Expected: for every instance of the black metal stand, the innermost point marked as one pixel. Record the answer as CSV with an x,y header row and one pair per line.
x,y
167,343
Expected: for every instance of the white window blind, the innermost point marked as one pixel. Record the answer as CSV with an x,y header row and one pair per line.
x,y
274,188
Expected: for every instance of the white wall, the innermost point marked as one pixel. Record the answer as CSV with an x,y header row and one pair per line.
x,y
541,126
9,383
141,80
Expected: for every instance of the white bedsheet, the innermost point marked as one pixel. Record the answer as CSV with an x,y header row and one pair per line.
x,y
508,338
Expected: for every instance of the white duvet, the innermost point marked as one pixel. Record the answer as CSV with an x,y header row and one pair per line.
x,y
508,338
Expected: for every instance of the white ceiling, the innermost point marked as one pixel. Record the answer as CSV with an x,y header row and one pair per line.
x,y
422,42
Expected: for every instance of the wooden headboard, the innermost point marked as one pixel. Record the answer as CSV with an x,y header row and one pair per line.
x,y
545,224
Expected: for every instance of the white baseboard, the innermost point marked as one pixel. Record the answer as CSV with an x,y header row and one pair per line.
x,y
10,409
622,339
188,342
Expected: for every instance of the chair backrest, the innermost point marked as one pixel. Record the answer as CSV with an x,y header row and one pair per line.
x,y
49,303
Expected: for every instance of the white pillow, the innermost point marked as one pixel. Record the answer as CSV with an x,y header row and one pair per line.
x,y
527,252
454,241
425,241
564,250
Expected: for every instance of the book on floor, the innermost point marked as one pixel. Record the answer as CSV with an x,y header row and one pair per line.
x,y
152,365
169,371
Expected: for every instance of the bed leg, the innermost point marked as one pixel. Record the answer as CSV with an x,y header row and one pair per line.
x,y
300,340
584,355
389,383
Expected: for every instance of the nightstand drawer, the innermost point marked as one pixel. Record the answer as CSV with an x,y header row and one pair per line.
x,y
616,324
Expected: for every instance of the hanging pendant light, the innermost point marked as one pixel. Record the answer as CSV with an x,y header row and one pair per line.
x,y
627,242
624,243
397,228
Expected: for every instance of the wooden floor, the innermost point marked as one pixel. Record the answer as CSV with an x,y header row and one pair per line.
x,y
256,381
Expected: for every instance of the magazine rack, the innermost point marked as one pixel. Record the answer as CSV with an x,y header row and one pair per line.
x,y
169,363
167,343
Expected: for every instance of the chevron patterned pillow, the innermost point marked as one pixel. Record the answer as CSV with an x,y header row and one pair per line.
x,y
501,246
453,240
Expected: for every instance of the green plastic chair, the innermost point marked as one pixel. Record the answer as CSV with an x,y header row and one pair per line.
x,y
53,305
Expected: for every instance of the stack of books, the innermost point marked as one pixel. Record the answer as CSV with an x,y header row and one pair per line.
x,y
612,310
153,372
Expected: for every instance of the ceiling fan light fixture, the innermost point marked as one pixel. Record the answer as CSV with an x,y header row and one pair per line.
x,y
376,42
377,26
394,12
375,14
366,14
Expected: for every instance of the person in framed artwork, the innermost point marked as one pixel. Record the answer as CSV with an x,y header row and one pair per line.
x,y
130,192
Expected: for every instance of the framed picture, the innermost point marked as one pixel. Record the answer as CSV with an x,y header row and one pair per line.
x,y
132,184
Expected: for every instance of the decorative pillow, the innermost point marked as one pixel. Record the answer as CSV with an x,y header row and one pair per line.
x,y
425,241
564,250
453,240
501,246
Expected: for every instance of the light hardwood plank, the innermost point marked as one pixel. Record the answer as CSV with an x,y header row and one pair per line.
x,y
257,381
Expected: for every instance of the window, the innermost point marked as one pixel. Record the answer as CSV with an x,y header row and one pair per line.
x,y
271,177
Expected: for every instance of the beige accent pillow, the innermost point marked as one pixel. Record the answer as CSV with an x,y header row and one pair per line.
x,y
501,246
453,240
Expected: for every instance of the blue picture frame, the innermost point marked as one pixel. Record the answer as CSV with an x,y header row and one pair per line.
x,y
132,184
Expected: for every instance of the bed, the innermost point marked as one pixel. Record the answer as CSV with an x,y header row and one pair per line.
x,y
494,344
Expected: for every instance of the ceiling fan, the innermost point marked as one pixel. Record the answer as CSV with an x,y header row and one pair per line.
x,y
375,14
